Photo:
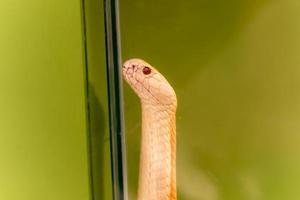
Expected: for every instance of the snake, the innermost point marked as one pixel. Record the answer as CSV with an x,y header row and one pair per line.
x,y
157,168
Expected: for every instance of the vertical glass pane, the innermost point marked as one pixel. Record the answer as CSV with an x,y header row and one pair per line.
x,y
101,186
235,68
115,99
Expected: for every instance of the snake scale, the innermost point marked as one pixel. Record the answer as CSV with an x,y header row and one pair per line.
x,y
157,173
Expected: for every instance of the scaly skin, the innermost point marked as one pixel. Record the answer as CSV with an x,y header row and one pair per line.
x,y
157,176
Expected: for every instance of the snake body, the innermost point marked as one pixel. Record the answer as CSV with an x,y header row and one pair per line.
x,y
157,174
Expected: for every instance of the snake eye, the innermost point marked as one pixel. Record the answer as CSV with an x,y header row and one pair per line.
x,y
146,70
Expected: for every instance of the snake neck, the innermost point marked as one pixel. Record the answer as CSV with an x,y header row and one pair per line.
x,y
157,177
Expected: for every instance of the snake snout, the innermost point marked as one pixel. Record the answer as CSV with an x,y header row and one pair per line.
x,y
129,67
127,64
133,63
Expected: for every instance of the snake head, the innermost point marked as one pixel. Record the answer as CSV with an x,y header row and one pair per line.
x,y
148,83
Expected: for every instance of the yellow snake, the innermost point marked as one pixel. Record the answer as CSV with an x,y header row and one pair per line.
x,y
157,174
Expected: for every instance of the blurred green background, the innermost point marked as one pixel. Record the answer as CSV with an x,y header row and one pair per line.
x,y
43,116
54,142
235,66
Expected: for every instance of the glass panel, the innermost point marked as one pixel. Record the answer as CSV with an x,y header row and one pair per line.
x,y
98,101
235,67
115,97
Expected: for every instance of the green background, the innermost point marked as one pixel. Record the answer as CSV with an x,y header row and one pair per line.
x,y
235,66
54,142
43,125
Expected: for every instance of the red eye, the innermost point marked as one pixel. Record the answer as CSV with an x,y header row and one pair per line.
x,y
146,70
